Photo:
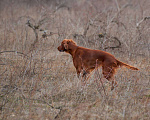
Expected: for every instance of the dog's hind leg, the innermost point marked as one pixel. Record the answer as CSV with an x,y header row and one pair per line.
x,y
108,73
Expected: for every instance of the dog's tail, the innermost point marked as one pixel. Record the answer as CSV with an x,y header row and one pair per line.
x,y
126,65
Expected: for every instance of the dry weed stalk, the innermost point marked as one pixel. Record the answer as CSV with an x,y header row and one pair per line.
x,y
33,84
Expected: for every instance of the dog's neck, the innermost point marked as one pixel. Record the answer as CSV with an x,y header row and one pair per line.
x,y
72,50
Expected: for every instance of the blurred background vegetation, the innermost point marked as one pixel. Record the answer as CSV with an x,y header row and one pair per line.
x,y
38,82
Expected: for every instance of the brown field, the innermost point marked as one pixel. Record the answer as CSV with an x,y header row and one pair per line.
x,y
37,82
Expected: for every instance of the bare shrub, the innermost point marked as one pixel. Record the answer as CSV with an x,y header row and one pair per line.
x,y
37,82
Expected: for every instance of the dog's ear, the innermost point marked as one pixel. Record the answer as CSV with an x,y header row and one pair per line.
x,y
71,41
66,45
67,42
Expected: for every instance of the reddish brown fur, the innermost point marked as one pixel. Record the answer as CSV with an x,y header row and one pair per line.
x,y
85,60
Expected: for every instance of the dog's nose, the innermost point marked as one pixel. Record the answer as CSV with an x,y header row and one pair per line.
x,y
59,49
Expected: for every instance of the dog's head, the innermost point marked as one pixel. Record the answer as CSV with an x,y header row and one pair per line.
x,y
66,45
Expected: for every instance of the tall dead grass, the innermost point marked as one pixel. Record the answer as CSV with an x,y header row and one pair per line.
x,y
38,82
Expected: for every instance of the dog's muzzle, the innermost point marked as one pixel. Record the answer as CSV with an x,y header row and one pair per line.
x,y
60,49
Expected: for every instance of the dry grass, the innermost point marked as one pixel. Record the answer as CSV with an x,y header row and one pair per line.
x,y
38,82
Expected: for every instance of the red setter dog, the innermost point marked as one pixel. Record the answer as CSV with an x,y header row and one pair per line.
x,y
85,60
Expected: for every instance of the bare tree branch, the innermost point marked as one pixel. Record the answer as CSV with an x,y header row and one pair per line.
x,y
145,18
34,28
117,46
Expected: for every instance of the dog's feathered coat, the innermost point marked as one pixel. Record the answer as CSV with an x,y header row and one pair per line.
x,y
86,60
